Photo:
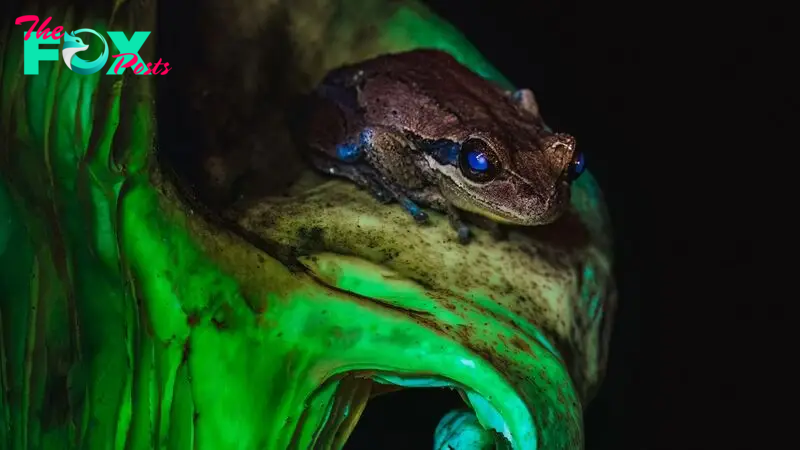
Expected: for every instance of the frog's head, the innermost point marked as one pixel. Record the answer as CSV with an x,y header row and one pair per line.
x,y
512,181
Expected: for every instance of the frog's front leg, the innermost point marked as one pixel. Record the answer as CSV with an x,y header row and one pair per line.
x,y
391,156
354,173
379,159
461,227
455,216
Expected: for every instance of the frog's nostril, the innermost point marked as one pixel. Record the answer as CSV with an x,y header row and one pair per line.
x,y
560,144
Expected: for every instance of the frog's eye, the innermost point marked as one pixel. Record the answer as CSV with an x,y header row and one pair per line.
x,y
576,166
477,161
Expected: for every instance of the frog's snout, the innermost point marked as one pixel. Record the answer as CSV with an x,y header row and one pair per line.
x,y
560,146
535,206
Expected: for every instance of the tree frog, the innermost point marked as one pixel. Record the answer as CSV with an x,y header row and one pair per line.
x,y
420,128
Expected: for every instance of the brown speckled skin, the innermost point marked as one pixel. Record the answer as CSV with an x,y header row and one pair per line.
x,y
407,98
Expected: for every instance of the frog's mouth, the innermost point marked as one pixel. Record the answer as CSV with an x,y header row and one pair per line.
x,y
523,213
455,431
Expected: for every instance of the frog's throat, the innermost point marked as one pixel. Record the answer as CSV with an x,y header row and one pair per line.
x,y
495,212
474,206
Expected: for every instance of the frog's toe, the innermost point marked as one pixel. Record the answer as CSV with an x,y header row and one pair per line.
x,y
382,196
462,229
416,212
464,234
421,217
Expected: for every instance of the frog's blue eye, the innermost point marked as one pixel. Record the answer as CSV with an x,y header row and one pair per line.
x,y
477,161
577,166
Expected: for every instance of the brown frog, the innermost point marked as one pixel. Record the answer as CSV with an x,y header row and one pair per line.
x,y
422,129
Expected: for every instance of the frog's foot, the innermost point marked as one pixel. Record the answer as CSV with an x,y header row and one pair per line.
x,y
369,179
416,212
462,229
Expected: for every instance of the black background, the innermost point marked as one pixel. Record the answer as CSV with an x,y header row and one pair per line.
x,y
677,108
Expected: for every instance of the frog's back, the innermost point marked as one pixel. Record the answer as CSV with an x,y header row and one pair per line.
x,y
425,91
432,72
